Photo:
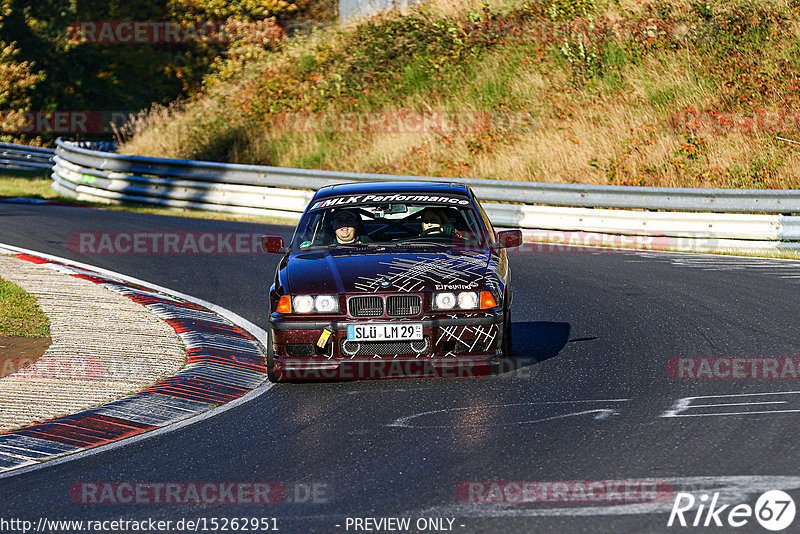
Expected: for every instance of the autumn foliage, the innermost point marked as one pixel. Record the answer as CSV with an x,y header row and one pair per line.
x,y
42,66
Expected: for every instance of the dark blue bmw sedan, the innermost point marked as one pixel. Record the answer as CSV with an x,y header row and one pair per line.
x,y
390,279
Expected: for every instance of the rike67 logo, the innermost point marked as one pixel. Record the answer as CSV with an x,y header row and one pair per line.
x,y
774,510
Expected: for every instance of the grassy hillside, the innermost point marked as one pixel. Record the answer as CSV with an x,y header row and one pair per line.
x,y
702,94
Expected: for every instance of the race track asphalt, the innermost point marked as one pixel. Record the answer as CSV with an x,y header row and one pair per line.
x,y
594,331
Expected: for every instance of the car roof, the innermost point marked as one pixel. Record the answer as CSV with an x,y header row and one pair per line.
x,y
407,186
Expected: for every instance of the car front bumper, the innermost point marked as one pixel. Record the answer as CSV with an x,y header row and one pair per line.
x,y
454,345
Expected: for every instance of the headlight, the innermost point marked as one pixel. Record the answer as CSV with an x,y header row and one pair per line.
x,y
303,304
326,304
465,300
315,304
444,301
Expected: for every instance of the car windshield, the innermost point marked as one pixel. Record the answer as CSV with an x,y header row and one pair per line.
x,y
381,224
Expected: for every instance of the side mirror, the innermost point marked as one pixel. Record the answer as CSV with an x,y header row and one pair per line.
x,y
509,238
272,244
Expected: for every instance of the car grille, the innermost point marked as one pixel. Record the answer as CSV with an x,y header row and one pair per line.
x,y
351,349
403,305
396,306
365,306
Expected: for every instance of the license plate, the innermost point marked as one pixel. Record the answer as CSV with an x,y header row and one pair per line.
x,y
385,332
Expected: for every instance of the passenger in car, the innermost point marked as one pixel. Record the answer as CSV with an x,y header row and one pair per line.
x,y
435,223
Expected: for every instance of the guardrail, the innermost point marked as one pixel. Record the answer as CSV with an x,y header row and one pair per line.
x,y
27,159
353,9
720,214
597,196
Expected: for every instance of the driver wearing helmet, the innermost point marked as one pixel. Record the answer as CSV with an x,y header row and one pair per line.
x,y
347,228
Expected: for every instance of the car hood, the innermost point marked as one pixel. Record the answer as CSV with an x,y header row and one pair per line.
x,y
348,271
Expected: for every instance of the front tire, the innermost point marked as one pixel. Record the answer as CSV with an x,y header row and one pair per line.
x,y
507,346
272,375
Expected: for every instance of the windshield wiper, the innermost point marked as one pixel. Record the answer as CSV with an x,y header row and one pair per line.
x,y
422,242
354,245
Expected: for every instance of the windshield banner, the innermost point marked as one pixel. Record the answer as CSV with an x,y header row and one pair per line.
x,y
350,200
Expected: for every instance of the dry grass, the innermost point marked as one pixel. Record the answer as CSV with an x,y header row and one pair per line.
x,y
452,8
577,146
29,187
153,131
623,127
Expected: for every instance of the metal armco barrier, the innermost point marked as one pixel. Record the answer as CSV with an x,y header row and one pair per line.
x,y
22,158
717,214
596,196
355,9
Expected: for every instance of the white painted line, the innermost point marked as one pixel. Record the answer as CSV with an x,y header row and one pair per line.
x,y
258,333
684,404
602,413
731,253
701,255
737,404
731,413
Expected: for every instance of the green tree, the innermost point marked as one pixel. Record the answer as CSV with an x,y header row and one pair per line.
x,y
17,77
43,68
